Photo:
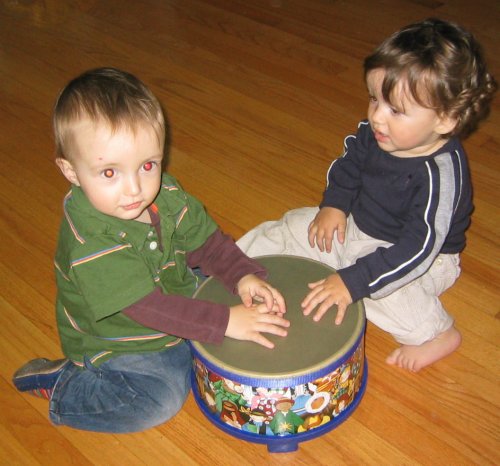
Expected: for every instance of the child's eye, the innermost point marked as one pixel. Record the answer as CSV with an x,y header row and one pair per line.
x,y
372,98
108,173
148,166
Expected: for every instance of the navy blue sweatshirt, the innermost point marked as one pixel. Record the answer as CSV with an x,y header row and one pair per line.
x,y
422,205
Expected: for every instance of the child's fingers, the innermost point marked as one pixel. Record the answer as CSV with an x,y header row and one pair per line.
x,y
319,296
320,240
311,240
313,298
341,234
275,317
264,309
270,296
272,329
272,305
326,304
264,295
246,299
341,310
311,235
278,300
315,284
262,340
327,241
267,293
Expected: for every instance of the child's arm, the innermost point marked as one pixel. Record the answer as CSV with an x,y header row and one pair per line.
x,y
327,221
344,177
204,321
326,293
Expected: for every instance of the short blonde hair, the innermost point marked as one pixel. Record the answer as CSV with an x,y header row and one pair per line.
x,y
443,68
105,95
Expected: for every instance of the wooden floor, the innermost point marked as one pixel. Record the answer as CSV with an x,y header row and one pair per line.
x,y
260,95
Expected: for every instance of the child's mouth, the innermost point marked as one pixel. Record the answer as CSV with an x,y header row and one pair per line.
x,y
133,206
380,137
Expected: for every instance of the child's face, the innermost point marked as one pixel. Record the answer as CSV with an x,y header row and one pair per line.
x,y
403,128
120,172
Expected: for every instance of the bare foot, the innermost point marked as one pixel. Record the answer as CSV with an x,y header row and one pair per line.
x,y
413,358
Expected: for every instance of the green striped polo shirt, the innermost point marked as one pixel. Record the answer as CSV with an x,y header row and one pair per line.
x,y
104,264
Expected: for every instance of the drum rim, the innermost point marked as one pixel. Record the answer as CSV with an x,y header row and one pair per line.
x,y
279,380
321,367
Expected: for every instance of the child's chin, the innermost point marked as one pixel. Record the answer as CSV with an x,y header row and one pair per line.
x,y
128,215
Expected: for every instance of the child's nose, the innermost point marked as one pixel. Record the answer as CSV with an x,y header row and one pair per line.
x,y
378,115
132,185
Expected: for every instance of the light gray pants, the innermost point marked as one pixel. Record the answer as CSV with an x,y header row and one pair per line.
x,y
413,314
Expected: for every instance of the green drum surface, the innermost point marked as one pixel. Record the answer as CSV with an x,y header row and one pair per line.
x,y
309,345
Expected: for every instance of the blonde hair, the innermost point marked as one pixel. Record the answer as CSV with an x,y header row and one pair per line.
x,y
105,95
443,68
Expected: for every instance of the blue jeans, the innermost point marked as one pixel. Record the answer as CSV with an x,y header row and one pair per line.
x,y
128,393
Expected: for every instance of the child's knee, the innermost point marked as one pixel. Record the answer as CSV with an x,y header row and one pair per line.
x,y
442,274
162,409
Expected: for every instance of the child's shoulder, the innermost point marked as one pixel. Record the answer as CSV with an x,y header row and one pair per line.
x,y
452,145
172,185
171,191
169,181
363,135
77,239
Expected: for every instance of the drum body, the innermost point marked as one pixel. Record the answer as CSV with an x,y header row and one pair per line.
x,y
308,384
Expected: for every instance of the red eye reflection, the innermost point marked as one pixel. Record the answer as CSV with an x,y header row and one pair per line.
x,y
108,173
148,166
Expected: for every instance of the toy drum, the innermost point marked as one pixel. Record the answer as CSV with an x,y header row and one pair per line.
x,y
308,384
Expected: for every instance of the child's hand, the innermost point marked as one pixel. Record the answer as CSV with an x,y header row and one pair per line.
x,y
250,287
247,323
321,230
326,293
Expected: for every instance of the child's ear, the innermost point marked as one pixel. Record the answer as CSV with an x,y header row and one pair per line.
x,y
67,170
446,124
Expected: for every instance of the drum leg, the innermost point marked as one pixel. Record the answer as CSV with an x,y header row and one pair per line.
x,y
283,446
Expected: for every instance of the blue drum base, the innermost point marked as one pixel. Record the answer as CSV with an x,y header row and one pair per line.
x,y
285,443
